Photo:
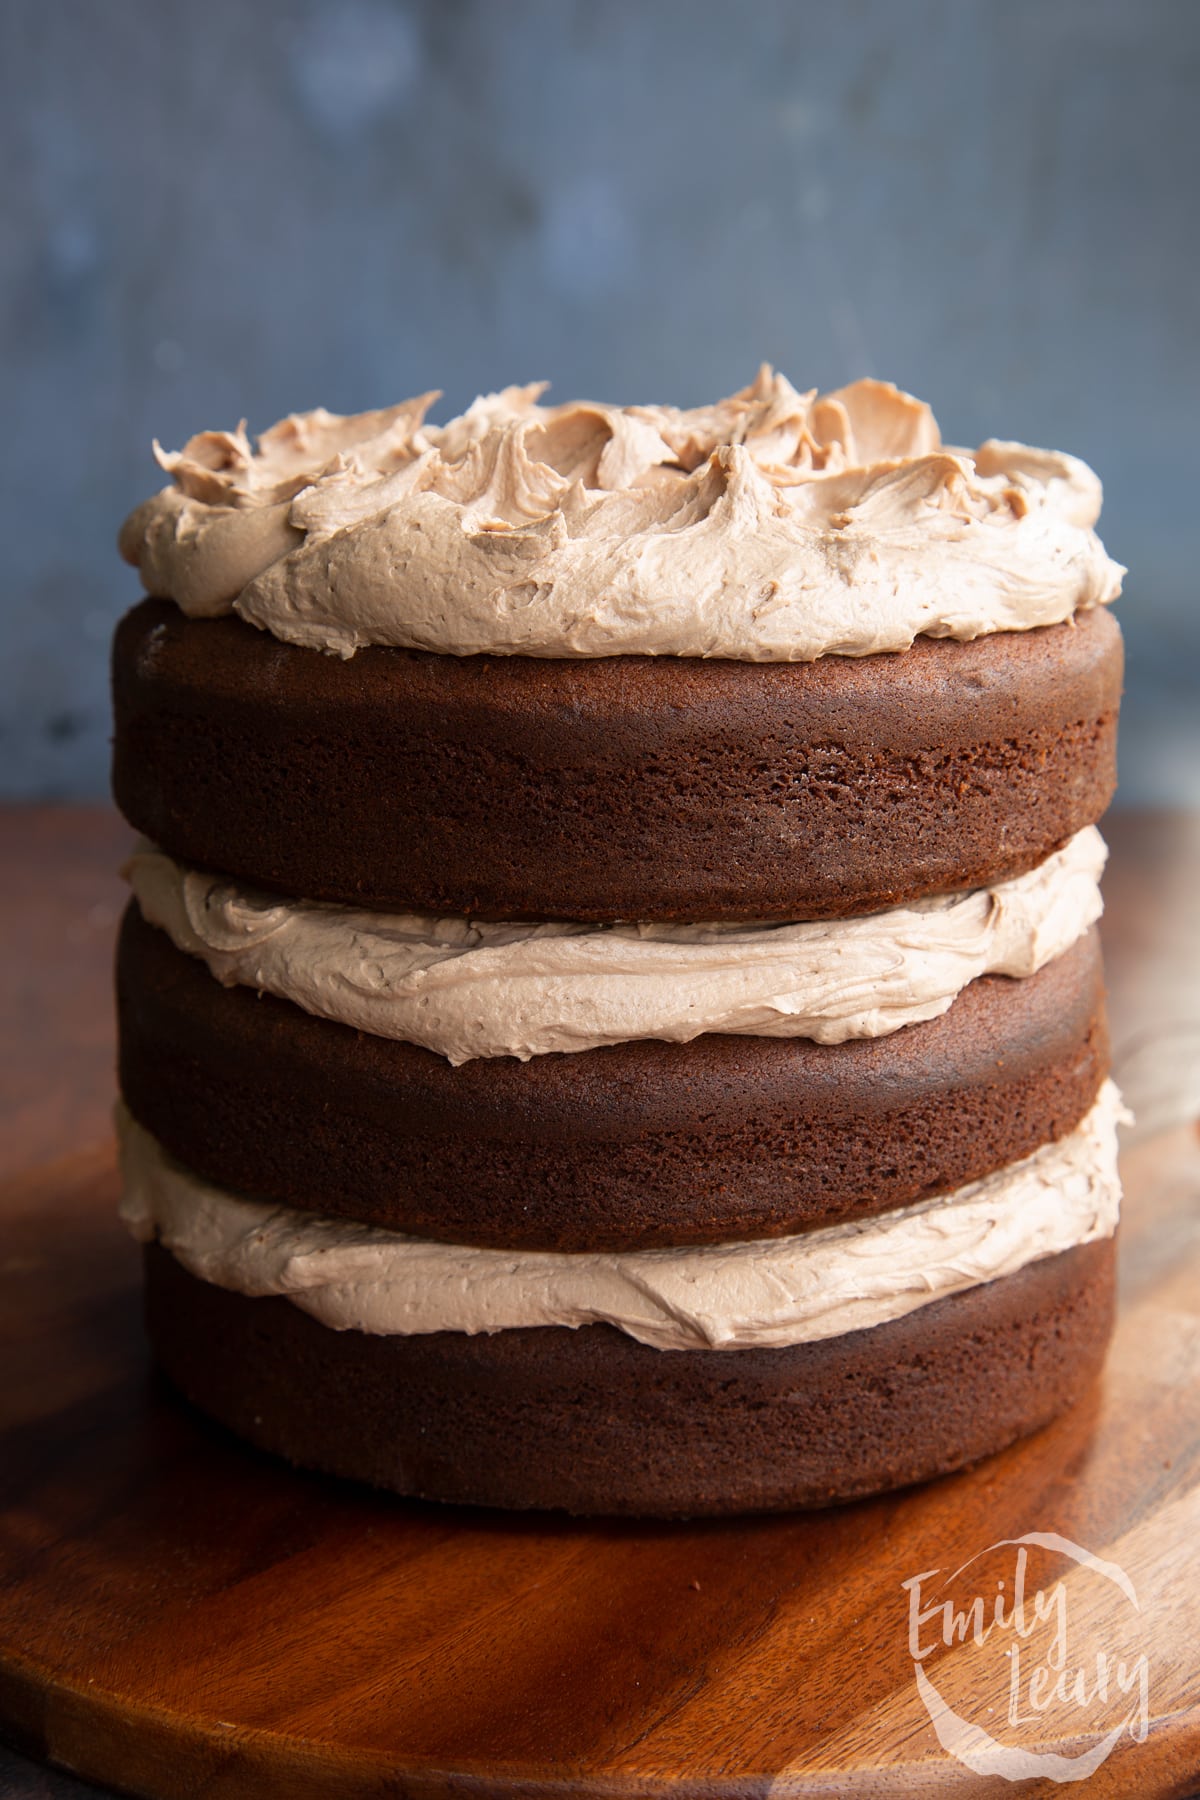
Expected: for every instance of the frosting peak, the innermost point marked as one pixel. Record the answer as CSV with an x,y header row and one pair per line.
x,y
773,525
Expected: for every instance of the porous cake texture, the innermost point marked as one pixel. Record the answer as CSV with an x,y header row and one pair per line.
x,y
611,1012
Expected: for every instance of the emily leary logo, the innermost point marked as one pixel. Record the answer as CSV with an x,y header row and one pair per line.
x,y
1033,1664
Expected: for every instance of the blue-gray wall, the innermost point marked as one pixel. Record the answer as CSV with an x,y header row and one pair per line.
x,y
250,206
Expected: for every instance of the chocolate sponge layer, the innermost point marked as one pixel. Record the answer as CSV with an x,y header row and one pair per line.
x,y
623,1147
621,787
594,1422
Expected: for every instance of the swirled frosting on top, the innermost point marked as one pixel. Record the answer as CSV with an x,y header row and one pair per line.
x,y
774,526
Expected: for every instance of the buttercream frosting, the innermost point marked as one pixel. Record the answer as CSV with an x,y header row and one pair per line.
x,y
763,1292
466,989
773,526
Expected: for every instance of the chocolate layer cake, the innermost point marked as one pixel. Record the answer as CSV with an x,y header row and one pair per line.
x,y
610,1013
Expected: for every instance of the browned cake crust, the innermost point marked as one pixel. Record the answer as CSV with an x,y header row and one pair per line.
x,y
633,1145
624,787
593,1422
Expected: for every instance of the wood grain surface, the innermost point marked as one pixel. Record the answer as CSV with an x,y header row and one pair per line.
x,y
179,1616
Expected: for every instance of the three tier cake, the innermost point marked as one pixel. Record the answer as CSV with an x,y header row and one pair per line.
x,y
610,1011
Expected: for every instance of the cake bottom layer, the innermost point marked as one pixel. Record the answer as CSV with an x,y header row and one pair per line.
x,y
591,1421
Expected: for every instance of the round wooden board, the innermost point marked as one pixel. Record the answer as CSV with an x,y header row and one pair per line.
x,y
179,1615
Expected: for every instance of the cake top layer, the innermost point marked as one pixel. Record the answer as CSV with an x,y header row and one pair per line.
x,y
773,526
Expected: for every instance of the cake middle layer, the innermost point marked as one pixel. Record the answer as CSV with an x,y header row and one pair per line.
x,y
627,1146
467,989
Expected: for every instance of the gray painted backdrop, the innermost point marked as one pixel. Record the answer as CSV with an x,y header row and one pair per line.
x,y
240,208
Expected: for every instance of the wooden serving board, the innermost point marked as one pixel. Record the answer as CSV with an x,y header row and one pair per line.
x,y
180,1616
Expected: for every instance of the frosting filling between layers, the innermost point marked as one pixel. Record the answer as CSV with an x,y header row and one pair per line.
x,y
465,989
773,526
765,1292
